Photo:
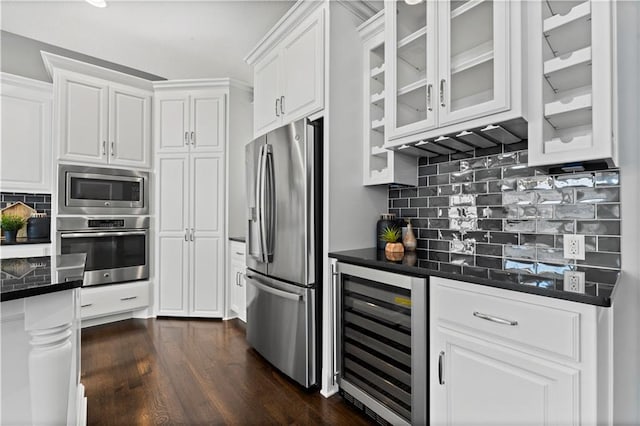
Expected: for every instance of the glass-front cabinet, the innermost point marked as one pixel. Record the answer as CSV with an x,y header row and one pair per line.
x,y
411,29
448,62
473,59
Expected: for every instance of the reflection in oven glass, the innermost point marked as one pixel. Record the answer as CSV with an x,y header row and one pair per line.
x,y
108,252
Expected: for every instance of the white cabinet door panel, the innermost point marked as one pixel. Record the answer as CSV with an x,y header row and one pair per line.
x,y
129,133
173,279
303,69
207,193
483,384
207,277
207,123
25,163
172,195
266,95
83,119
172,123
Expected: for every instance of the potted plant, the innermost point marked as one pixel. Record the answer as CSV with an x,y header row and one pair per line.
x,y
393,249
11,223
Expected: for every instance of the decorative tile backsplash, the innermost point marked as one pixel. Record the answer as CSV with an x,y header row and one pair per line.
x,y
40,202
493,212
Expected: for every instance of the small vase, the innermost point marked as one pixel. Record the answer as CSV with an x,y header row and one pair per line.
x,y
10,236
409,239
394,251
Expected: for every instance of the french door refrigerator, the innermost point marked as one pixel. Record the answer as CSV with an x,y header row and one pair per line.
x,y
283,277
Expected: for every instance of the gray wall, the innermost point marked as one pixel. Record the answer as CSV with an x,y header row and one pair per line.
x,y
21,56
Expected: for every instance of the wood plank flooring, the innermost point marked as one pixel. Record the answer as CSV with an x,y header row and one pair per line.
x,y
171,371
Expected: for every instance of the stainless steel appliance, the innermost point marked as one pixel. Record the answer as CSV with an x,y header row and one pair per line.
x,y
382,343
117,248
282,248
97,190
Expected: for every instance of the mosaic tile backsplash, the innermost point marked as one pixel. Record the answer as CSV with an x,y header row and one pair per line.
x,y
40,202
495,212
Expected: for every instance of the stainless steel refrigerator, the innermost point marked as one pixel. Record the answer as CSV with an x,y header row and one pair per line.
x,y
283,194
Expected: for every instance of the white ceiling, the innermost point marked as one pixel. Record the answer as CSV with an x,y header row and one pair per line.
x,y
173,39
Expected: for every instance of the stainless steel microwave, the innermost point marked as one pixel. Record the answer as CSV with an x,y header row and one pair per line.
x,y
98,190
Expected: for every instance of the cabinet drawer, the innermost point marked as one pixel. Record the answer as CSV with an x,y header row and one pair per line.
x,y
113,299
237,251
506,316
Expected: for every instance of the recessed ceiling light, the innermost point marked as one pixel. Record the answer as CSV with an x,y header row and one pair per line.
x,y
97,3
409,2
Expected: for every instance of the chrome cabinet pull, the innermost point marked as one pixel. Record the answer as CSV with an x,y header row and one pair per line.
x,y
87,305
192,237
495,319
282,105
104,147
193,138
441,368
442,87
113,148
186,234
128,298
429,90
277,110
186,138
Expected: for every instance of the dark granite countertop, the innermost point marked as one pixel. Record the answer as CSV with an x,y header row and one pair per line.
x,y
25,240
599,287
238,239
32,276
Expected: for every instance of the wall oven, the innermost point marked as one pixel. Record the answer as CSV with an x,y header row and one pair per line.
x,y
97,190
117,248
382,343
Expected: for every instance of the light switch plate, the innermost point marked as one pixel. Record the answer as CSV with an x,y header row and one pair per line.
x,y
573,246
574,281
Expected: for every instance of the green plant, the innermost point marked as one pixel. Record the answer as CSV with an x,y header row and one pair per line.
x,y
390,234
12,222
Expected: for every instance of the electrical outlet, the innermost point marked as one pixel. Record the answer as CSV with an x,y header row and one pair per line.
x,y
573,246
574,281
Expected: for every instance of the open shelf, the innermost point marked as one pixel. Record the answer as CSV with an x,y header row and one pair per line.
x,y
472,57
460,7
579,137
579,12
569,71
378,125
379,152
377,72
377,98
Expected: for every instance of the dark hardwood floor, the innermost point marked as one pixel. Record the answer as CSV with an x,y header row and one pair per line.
x,y
167,371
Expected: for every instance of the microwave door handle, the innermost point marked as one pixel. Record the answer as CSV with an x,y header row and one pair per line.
x,y
101,234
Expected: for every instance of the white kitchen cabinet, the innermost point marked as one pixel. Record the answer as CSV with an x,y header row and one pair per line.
x,y
237,280
451,66
26,134
572,65
289,76
190,120
380,166
190,233
100,121
503,357
100,301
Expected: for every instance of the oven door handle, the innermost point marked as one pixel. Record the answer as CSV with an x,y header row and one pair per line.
x,y
101,234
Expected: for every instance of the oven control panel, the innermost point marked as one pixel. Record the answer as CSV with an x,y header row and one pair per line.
x,y
106,223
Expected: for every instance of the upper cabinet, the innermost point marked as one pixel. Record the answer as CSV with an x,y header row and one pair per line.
x,y
451,66
289,69
25,154
101,116
190,120
572,99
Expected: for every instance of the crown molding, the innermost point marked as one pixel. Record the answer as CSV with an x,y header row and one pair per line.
x,y
203,83
7,79
53,63
361,8
373,26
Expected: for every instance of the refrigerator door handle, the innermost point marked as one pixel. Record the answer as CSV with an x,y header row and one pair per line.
x,y
258,194
270,203
262,200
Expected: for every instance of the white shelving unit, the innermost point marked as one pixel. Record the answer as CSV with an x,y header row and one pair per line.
x,y
382,166
571,101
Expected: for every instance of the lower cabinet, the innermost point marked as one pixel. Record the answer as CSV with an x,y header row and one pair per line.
x,y
502,357
237,281
101,301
